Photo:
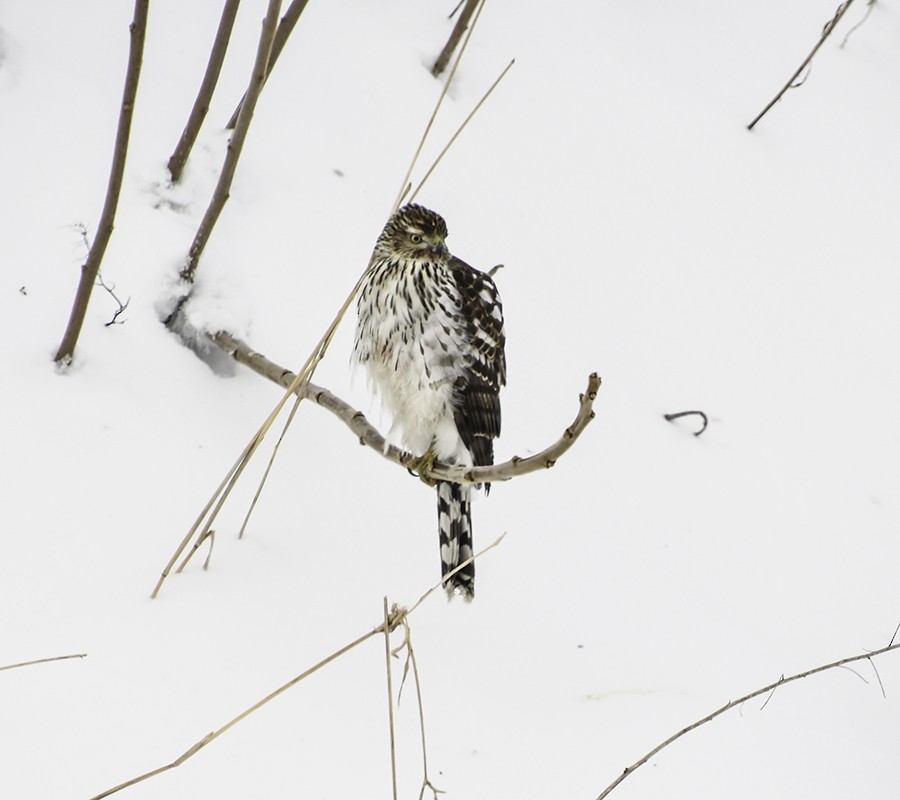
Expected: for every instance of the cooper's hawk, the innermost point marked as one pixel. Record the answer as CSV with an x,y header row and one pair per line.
x,y
430,333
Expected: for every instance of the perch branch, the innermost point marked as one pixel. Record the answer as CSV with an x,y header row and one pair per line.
x,y
740,701
826,32
91,266
298,386
370,437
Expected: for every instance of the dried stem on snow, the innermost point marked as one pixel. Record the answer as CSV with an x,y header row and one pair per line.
x,y
740,701
391,621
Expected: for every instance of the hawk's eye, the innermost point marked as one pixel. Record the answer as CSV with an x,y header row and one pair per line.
x,y
415,238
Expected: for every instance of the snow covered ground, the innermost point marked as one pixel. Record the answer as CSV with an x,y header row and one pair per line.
x,y
646,234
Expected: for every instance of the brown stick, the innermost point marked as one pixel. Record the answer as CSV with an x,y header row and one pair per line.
x,y
201,104
826,32
91,266
728,706
285,27
456,34
223,186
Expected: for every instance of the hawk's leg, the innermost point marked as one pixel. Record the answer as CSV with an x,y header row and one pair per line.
x,y
423,464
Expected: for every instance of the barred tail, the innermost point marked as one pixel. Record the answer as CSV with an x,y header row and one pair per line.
x,y
455,529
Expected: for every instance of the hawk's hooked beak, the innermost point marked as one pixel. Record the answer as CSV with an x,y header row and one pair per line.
x,y
438,247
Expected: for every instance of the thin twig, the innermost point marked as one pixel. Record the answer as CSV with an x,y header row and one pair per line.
x,y
301,389
460,129
728,706
111,291
826,32
679,414
390,693
878,675
42,661
196,747
411,662
869,6
452,572
405,184
393,620
771,694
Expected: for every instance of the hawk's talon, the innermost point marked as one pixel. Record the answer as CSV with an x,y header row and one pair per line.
x,y
423,464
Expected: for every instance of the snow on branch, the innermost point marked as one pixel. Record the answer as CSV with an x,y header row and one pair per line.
x,y
369,436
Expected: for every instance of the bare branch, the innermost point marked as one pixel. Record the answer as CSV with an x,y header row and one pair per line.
x,y
826,32
235,146
369,436
91,267
740,701
111,291
207,86
458,30
285,26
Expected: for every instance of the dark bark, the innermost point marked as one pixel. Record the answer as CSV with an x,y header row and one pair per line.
x,y
201,105
91,266
285,27
791,82
223,187
458,30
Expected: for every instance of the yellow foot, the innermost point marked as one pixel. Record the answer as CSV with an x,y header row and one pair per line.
x,y
423,465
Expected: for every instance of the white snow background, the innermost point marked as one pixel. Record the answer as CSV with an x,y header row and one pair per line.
x,y
646,580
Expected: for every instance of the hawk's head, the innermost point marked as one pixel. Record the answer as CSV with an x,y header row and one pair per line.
x,y
414,232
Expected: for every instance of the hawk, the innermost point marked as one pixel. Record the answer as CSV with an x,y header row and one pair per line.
x,y
430,335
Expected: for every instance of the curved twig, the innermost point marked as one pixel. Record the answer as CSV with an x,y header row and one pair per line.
x,y
370,437
678,414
